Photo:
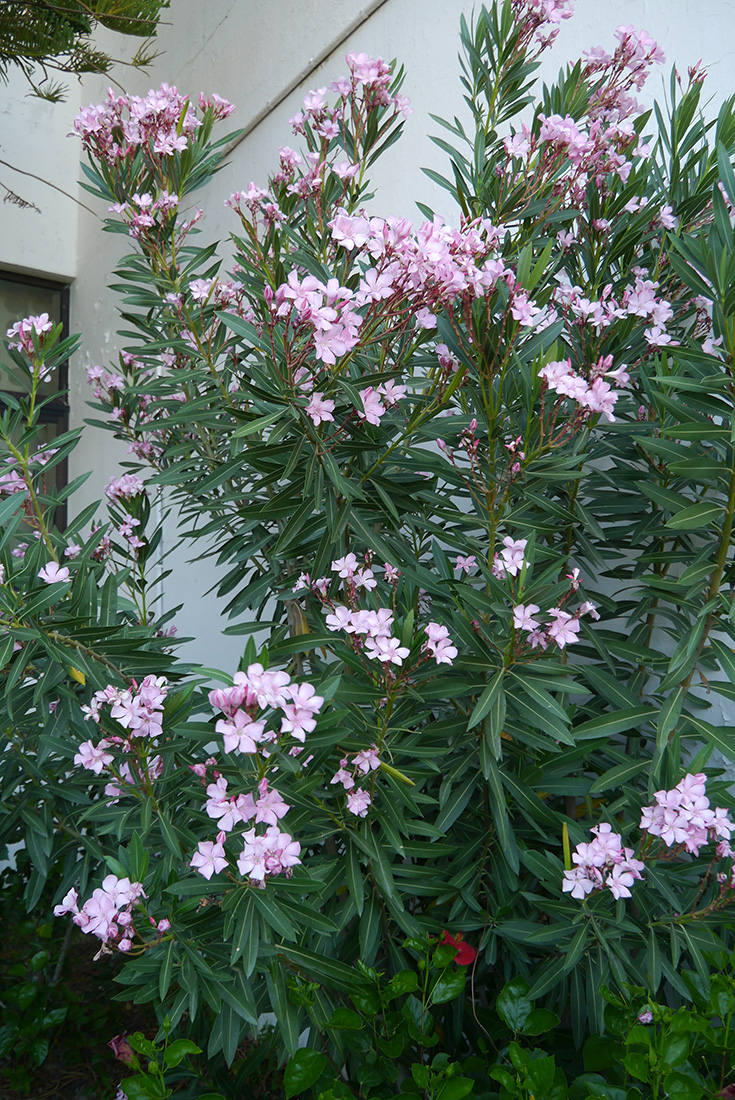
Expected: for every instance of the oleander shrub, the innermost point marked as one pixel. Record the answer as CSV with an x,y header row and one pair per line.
x,y
472,488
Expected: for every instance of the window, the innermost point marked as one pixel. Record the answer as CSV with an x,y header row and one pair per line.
x,y
22,296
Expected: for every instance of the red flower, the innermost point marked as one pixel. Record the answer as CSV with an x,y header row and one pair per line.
x,y
465,954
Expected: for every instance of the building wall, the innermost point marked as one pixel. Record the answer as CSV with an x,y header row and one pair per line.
x,y
265,63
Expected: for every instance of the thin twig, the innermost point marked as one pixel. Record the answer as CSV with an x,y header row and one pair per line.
x,y
23,172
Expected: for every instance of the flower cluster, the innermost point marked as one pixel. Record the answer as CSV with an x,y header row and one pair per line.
x,y
16,479
271,852
638,300
122,488
564,626
132,759
325,126
439,644
363,763
540,19
146,212
108,914
161,123
563,630
328,310
683,816
510,560
571,153
27,335
244,731
604,862
370,630
595,397
244,728
430,267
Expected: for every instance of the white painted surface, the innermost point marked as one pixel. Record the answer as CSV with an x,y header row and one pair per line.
x,y
250,51
33,140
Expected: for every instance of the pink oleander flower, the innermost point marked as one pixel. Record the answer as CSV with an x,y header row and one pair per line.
x,y
343,776
366,761
320,409
358,802
272,854
121,488
391,573
465,565
12,481
107,912
270,806
364,578
209,859
345,567
523,617
69,904
94,758
340,619
564,629
268,686
387,650
510,560
299,713
141,710
240,733
604,862
439,644
21,336
52,573
372,407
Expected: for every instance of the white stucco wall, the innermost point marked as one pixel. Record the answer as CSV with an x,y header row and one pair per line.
x,y
251,52
33,143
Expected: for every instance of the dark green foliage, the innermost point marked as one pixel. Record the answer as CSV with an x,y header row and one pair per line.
x,y
58,35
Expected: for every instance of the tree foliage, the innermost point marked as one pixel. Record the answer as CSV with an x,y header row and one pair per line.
x,y
38,36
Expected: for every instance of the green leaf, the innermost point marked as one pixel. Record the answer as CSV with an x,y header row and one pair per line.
x,y
330,971
682,1086
696,517
619,775
448,985
178,1050
675,1048
723,738
455,1088
166,972
486,700
257,425
615,722
637,1065
540,1020
303,1070
345,1019
513,1004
